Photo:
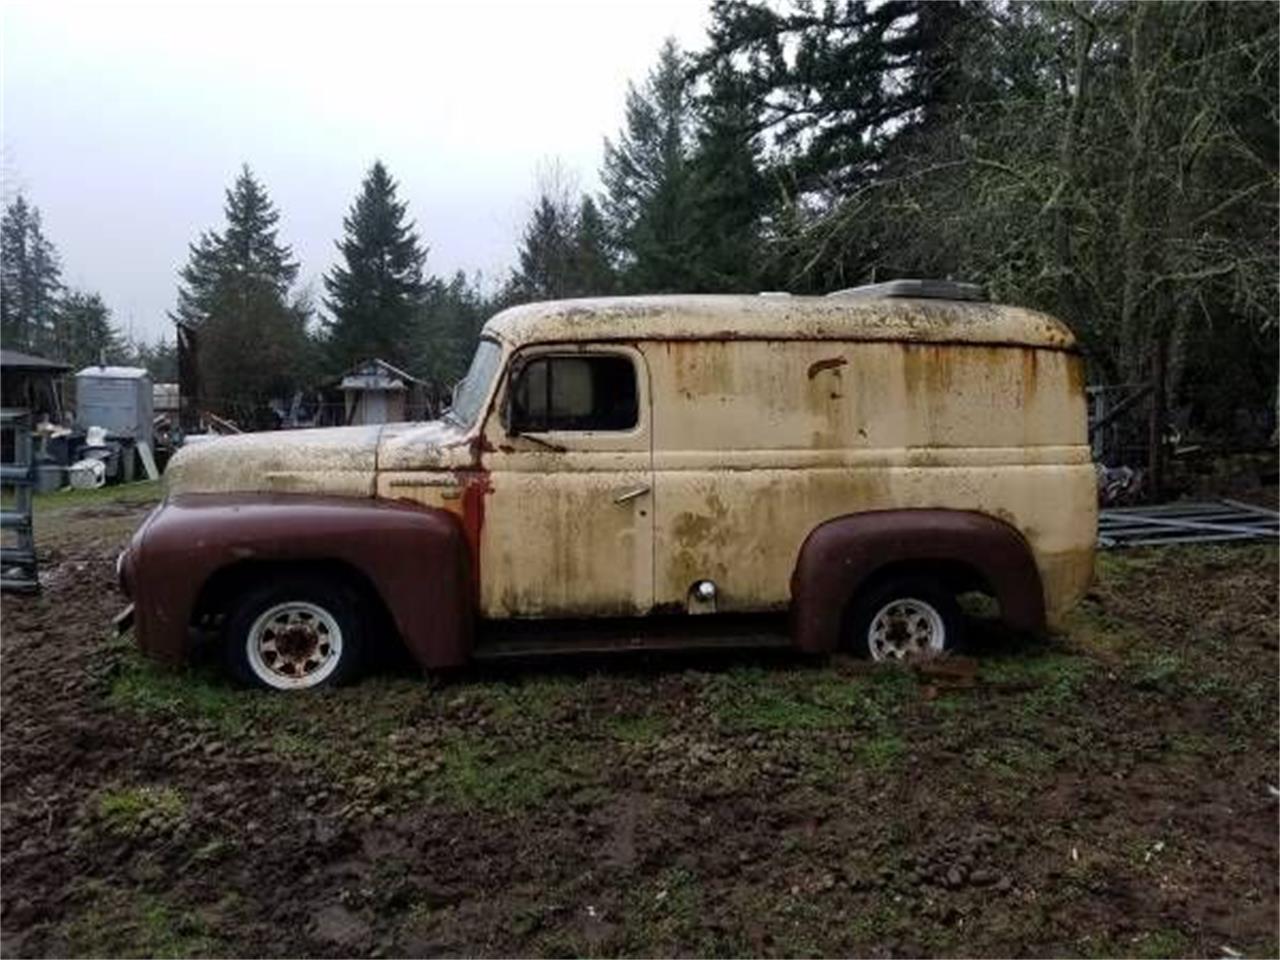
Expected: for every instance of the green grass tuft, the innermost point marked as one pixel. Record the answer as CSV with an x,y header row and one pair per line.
x,y
129,811
130,923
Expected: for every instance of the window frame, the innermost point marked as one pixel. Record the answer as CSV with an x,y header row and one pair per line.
x,y
526,356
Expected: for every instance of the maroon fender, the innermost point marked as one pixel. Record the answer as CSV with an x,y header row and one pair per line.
x,y
416,558
841,554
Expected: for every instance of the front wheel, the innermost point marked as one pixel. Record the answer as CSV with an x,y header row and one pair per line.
x,y
904,618
295,633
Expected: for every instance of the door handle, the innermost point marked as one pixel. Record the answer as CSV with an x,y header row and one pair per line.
x,y
627,495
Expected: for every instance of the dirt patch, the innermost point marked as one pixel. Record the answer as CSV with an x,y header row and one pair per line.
x,y
1107,793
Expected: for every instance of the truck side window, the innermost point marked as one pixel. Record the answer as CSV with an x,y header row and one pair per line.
x,y
575,393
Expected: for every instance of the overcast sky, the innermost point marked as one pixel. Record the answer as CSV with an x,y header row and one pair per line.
x,y
125,123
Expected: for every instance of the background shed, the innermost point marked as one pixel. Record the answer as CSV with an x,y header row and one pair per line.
x,y
374,391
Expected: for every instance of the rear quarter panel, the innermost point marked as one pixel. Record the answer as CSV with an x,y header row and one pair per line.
x,y
756,443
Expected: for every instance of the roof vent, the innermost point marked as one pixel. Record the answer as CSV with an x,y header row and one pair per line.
x,y
919,289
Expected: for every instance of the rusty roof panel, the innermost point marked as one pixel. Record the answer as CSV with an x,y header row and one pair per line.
x,y
740,317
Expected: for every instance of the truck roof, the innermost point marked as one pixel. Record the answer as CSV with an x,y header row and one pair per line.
x,y
857,314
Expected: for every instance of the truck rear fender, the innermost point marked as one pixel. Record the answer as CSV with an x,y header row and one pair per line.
x,y
840,556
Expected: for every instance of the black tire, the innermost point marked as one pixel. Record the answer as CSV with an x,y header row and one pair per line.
x,y
912,591
308,610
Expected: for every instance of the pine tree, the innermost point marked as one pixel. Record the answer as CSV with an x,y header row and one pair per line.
x,y
376,293
546,253
591,265
253,341
646,180
446,330
727,188
564,252
30,280
160,359
835,86
85,334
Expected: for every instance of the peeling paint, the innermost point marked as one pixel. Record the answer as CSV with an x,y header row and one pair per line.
x,y
829,363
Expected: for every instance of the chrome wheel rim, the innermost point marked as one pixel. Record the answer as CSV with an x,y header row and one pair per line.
x,y
906,628
294,645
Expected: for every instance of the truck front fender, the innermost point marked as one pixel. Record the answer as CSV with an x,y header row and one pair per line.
x,y
841,555
415,558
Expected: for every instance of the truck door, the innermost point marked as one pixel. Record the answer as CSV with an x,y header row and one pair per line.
x,y
568,521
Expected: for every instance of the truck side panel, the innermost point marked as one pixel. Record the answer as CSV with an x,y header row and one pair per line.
x,y
758,443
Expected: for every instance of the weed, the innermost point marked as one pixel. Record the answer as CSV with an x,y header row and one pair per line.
x,y
1158,672
536,698
476,774
128,811
214,849
753,699
1055,678
882,751
1150,945
875,924
120,922
637,728
668,910
146,687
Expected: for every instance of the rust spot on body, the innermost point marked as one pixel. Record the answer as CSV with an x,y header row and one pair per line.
x,y
830,363
476,487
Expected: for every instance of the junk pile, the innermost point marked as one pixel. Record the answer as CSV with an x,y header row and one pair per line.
x,y
112,437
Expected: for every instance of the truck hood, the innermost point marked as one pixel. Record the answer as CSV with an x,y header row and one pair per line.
x,y
337,461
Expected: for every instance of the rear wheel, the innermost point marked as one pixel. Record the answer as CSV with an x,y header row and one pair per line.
x,y
904,618
296,633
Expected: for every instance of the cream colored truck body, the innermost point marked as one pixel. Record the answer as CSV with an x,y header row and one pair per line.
x,y
759,419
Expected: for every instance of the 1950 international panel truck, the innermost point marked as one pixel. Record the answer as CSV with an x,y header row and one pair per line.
x,y
855,461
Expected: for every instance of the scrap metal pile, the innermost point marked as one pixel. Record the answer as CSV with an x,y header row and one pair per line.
x,y
1186,522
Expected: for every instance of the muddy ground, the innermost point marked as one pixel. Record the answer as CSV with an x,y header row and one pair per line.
x,y
1108,792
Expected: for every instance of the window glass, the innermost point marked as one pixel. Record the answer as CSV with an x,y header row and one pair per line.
x,y
575,393
473,389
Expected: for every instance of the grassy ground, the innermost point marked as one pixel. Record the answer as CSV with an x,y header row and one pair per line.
x,y
123,495
1107,792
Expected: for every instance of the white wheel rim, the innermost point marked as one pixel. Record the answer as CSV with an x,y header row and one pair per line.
x,y
294,645
906,628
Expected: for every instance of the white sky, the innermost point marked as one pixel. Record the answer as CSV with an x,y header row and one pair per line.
x,y
124,123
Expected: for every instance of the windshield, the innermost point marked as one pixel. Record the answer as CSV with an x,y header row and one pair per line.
x,y
473,389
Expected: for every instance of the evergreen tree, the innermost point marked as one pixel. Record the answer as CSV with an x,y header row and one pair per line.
x,y
446,330
376,293
564,252
728,193
833,87
547,253
253,342
85,334
646,180
30,280
160,359
591,265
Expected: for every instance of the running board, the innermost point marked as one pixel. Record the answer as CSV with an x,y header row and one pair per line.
x,y
501,642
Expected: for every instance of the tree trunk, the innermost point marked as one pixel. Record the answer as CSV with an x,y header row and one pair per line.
x,y
1133,336
1063,195
1156,425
